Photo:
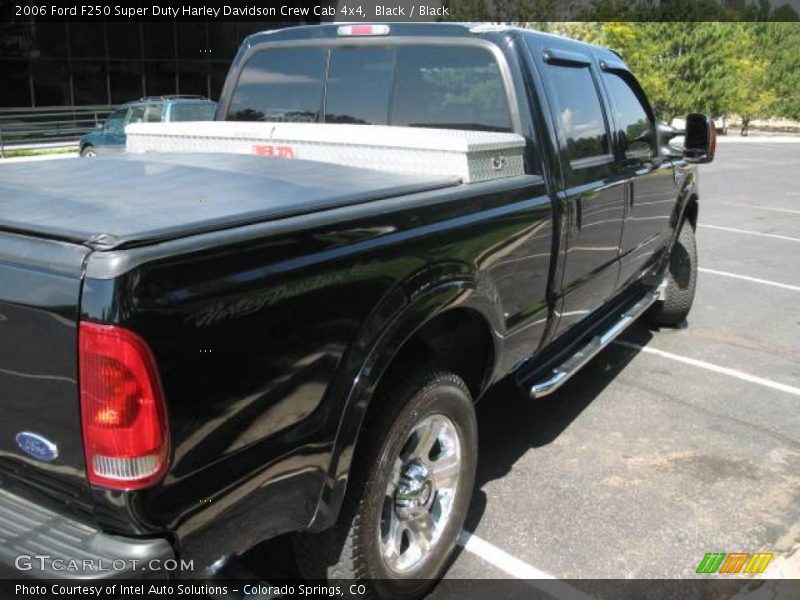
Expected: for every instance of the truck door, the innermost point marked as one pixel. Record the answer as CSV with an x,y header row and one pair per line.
x,y
651,184
113,137
593,190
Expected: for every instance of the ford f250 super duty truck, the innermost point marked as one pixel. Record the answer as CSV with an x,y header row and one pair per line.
x,y
203,350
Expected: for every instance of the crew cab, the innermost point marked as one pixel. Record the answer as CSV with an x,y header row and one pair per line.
x,y
204,349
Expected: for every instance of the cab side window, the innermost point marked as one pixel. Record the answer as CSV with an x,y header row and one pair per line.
x,y
152,114
580,116
136,115
631,117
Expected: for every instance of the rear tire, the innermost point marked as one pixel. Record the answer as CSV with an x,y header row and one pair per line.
x,y
88,151
416,462
681,281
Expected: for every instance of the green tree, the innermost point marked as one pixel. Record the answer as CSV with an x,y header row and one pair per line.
x,y
686,67
749,67
753,95
778,46
694,65
643,52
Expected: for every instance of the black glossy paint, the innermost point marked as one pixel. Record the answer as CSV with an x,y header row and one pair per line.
x,y
271,337
266,345
40,283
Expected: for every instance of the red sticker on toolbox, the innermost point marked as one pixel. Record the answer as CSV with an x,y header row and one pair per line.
x,y
273,151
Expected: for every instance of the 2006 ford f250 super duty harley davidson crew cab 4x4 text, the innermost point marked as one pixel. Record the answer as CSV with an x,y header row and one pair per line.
x,y
200,350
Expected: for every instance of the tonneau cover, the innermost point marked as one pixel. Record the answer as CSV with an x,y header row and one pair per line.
x,y
133,199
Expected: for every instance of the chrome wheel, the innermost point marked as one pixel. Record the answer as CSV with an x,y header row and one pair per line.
x,y
88,152
419,496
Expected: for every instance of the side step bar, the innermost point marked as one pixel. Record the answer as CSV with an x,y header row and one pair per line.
x,y
573,364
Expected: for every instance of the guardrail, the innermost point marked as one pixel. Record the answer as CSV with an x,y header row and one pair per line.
x,y
47,126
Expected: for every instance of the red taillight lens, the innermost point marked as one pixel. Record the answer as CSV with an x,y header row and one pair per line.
x,y
124,419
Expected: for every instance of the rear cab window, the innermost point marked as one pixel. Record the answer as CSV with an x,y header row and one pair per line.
x,y
280,85
452,87
359,86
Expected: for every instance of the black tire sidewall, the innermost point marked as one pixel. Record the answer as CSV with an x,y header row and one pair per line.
x,y
447,396
683,262
681,281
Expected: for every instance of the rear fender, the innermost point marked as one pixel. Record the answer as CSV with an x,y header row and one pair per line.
x,y
688,192
408,309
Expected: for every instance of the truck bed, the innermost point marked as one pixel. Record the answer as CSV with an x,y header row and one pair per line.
x,y
138,199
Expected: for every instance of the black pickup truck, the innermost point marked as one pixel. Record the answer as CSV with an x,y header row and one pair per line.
x,y
199,352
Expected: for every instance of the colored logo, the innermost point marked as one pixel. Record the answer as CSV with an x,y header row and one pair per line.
x,y
37,446
736,562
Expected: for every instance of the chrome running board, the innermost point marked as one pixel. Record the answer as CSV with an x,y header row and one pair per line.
x,y
561,374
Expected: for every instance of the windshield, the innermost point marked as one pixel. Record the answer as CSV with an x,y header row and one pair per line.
x,y
193,112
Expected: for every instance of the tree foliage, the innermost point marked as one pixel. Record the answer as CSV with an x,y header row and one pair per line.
x,y
780,55
712,67
750,69
714,56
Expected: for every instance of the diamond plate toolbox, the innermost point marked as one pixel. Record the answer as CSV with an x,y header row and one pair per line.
x,y
471,155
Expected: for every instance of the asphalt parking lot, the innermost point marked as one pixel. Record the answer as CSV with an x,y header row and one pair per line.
x,y
674,443
671,443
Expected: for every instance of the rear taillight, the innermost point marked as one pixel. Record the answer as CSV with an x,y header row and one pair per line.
x,y
124,419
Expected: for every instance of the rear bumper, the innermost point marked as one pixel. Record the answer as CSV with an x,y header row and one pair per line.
x,y
38,543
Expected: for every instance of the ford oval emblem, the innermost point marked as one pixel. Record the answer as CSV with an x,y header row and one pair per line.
x,y
37,446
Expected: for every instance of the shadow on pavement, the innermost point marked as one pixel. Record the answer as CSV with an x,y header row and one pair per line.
x,y
510,424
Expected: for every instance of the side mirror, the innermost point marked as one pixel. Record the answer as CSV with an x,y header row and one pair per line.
x,y
700,143
664,134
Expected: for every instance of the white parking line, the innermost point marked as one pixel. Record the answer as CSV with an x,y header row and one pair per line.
x,y
38,157
759,139
501,559
513,566
783,387
772,208
747,232
785,286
